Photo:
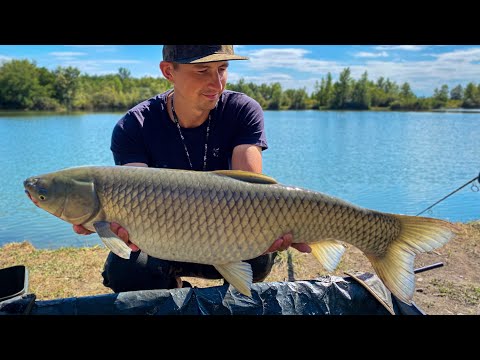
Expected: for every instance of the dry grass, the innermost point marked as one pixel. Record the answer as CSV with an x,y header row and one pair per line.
x,y
451,289
64,272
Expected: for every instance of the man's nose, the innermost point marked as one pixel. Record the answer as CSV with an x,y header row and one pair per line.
x,y
216,80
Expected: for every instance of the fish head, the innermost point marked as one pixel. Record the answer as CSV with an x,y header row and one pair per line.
x,y
69,198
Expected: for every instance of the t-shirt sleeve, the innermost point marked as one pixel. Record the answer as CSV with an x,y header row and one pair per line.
x,y
251,127
127,143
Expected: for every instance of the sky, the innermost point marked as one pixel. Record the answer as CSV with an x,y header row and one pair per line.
x,y
424,67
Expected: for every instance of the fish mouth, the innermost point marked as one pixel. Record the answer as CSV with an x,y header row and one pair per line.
x,y
29,184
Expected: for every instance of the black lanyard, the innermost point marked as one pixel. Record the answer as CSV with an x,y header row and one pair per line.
x,y
175,119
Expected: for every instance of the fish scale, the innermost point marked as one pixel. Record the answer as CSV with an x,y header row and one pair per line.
x,y
225,217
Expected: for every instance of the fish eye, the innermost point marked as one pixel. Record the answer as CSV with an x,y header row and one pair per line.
x,y
42,197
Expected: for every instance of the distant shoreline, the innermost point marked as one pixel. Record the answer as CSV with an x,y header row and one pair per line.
x,y
6,112
457,110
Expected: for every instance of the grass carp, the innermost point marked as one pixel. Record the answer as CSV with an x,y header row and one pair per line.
x,y
224,217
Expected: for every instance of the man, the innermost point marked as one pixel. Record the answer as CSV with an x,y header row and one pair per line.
x,y
196,126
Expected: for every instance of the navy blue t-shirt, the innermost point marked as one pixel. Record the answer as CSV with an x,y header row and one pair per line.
x,y
146,134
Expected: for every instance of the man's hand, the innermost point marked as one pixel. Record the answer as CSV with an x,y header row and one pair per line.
x,y
79,229
284,242
117,230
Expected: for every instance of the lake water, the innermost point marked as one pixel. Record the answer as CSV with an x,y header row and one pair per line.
x,y
400,162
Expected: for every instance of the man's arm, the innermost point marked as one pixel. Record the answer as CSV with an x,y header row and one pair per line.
x,y
247,157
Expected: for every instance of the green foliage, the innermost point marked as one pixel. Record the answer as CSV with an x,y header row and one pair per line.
x,y
440,97
25,86
361,98
457,93
342,91
66,85
471,98
20,85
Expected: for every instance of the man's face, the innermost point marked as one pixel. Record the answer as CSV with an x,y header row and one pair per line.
x,y
201,84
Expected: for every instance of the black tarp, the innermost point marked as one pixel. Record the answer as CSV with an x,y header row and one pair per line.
x,y
356,294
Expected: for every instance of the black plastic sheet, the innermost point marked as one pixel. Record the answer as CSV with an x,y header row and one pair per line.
x,y
359,294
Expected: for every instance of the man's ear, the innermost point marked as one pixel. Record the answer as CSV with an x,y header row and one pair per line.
x,y
166,69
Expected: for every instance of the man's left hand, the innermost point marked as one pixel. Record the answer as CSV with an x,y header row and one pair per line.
x,y
284,242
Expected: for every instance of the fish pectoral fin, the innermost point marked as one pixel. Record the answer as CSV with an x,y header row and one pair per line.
x,y
247,176
112,241
238,274
328,252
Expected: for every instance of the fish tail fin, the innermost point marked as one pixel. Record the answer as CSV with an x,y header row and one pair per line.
x,y
418,234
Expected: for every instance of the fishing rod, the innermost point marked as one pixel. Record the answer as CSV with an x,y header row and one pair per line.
x,y
428,267
453,192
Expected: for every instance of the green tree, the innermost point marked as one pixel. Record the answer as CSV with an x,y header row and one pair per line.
x,y
361,98
124,73
342,90
457,93
328,96
471,97
318,91
298,98
406,92
66,85
19,85
440,97
277,95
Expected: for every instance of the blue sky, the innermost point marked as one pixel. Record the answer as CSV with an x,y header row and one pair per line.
x,y
424,67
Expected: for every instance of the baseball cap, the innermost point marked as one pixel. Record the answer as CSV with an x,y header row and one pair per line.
x,y
194,54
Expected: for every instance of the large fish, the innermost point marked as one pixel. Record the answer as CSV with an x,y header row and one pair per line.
x,y
224,217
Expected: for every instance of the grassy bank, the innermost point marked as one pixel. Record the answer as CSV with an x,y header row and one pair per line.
x,y
451,289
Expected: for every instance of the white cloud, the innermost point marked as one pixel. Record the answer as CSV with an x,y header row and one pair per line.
x,y
4,58
120,61
370,54
259,79
401,47
85,66
66,55
69,54
460,56
97,67
289,58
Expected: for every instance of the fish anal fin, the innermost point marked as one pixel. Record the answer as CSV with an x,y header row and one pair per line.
x,y
112,241
247,176
328,252
238,274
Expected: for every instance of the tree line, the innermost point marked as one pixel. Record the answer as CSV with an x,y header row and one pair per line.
x,y
25,86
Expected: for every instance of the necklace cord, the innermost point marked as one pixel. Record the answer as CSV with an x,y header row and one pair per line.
x,y
182,138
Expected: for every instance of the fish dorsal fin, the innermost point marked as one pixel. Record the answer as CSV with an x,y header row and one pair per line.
x,y
328,252
239,274
247,176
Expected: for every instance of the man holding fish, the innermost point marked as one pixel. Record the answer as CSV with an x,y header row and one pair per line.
x,y
197,125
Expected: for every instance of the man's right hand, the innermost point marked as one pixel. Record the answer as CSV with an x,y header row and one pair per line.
x,y
79,229
117,230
